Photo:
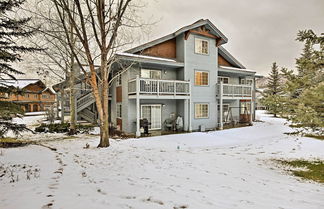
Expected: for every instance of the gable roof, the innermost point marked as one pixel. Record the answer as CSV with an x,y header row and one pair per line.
x,y
222,51
228,57
19,83
49,90
201,22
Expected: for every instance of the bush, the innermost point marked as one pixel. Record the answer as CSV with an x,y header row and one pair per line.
x,y
62,128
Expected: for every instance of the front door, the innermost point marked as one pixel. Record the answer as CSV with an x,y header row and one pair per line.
x,y
153,114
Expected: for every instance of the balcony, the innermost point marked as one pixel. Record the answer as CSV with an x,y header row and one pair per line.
x,y
234,91
156,88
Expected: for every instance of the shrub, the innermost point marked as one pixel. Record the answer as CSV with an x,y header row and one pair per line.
x,y
62,128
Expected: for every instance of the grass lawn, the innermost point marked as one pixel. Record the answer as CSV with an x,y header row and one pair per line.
x,y
11,142
311,170
320,137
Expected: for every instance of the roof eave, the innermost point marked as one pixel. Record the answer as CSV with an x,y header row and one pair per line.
x,y
236,71
230,57
224,39
151,61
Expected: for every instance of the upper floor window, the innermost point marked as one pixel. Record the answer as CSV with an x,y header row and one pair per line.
x,y
4,95
224,79
246,81
201,46
148,73
119,80
201,78
45,96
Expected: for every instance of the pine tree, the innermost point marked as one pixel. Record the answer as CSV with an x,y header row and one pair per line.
x,y
273,86
272,98
11,29
304,103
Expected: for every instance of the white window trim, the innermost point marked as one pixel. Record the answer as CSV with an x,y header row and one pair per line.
x,y
196,50
203,103
121,110
220,77
202,71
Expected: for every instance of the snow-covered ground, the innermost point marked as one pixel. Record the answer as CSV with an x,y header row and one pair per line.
x,y
221,169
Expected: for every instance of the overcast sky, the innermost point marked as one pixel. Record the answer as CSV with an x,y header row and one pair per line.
x,y
259,32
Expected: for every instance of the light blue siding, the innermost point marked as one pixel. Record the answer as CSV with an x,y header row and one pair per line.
x,y
202,94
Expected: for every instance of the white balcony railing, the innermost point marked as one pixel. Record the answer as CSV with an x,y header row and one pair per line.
x,y
158,87
235,90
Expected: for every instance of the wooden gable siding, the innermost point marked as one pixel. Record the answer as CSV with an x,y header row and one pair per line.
x,y
223,61
34,88
166,49
203,31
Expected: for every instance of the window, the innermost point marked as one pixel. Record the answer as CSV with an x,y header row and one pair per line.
x,y
148,73
224,79
201,110
246,81
201,78
201,46
119,110
45,96
119,80
4,95
35,96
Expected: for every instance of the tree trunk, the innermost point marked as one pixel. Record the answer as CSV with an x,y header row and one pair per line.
x,y
104,128
62,104
73,110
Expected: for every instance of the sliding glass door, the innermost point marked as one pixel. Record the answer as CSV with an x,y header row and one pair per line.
x,y
153,114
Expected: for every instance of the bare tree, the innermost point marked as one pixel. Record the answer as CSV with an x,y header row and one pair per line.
x,y
106,19
57,57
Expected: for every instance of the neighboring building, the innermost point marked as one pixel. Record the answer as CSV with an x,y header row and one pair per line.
x,y
186,73
35,95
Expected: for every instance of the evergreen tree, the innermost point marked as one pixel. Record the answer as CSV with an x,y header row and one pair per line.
x,y
11,29
273,86
304,103
272,98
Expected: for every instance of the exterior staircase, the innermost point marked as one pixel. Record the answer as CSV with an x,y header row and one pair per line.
x,y
87,115
83,106
85,101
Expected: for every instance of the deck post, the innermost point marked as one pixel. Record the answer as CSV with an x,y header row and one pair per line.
x,y
138,132
221,105
186,115
251,109
254,98
189,108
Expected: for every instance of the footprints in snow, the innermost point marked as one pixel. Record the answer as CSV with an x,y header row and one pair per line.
x,y
54,186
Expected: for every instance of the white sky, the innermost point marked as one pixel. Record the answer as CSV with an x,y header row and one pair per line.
x,y
259,31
